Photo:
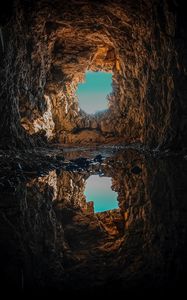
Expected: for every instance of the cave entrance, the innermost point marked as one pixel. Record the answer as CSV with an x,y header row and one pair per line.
x,y
98,189
92,94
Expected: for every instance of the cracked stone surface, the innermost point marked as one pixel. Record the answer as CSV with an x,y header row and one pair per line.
x,y
47,47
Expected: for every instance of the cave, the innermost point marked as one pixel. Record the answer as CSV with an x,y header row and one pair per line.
x,y
53,47
50,144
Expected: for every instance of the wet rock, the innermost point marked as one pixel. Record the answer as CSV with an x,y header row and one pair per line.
x,y
136,170
19,167
82,162
71,167
98,158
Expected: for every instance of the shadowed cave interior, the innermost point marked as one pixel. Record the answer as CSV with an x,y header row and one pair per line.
x,y
51,237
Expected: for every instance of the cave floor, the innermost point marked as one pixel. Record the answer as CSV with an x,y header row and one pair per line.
x,y
40,160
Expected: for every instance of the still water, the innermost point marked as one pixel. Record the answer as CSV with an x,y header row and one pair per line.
x,y
51,237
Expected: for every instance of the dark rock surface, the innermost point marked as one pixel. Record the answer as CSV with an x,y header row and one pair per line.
x,y
51,239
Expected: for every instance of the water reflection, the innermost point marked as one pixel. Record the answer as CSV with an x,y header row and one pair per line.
x,y
98,189
51,237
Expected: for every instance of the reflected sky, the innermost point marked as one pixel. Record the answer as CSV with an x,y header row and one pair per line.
x,y
98,189
92,93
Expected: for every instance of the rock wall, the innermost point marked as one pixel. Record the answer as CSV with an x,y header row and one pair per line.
x,y
47,47
24,66
153,203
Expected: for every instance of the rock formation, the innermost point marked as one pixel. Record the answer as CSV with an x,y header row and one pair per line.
x,y
46,47
50,236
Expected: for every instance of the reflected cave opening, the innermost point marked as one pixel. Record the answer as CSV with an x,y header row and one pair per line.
x,y
94,91
99,191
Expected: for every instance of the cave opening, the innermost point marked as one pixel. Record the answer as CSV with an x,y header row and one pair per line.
x,y
99,191
94,91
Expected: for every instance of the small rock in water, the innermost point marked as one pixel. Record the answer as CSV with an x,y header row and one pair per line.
x,y
136,170
81,162
71,168
98,158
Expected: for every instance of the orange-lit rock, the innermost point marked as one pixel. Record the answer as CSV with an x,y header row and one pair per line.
x,y
47,53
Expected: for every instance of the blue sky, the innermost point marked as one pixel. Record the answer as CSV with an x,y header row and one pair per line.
x,y
92,93
98,189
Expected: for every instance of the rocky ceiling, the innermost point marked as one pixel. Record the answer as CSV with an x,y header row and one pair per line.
x,y
46,47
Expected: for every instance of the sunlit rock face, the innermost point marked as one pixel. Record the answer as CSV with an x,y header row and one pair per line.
x,y
51,239
46,47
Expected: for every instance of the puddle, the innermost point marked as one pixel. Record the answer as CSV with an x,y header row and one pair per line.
x,y
50,236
